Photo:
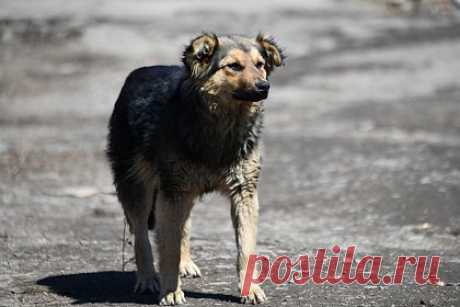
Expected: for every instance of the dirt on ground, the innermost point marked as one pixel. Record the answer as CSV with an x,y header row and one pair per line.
x,y
362,146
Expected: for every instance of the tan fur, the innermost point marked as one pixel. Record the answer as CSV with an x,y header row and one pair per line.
x,y
250,75
171,216
244,208
187,267
225,81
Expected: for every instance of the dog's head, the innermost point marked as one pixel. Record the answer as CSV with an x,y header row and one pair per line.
x,y
234,68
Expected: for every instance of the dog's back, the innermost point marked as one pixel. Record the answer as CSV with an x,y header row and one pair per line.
x,y
137,120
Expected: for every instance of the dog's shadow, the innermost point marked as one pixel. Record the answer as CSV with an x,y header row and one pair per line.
x,y
111,287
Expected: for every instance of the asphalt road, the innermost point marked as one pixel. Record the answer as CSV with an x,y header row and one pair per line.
x,y
362,146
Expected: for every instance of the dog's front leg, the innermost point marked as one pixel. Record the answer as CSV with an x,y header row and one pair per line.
x,y
171,215
245,206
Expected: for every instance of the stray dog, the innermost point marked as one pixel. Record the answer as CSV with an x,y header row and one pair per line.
x,y
178,132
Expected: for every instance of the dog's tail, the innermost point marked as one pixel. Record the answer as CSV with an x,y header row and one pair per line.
x,y
151,221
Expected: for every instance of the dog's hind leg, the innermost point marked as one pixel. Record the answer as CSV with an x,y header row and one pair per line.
x,y
187,267
171,216
137,199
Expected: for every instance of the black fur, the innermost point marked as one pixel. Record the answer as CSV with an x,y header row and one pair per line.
x,y
139,119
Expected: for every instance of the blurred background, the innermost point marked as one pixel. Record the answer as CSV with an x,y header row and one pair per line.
x,y
362,144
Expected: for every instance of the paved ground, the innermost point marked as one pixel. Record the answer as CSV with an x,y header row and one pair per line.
x,y
362,146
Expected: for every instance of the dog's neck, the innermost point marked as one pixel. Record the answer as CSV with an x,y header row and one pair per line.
x,y
221,132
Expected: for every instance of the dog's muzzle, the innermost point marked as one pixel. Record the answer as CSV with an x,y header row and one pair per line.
x,y
260,92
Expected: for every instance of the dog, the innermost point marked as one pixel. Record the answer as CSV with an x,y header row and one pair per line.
x,y
178,132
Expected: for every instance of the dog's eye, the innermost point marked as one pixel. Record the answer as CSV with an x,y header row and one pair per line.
x,y
260,65
235,67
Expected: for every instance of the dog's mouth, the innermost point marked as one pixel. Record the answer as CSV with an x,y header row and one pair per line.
x,y
253,95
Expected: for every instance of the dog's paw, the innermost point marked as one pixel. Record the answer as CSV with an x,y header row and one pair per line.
x,y
256,296
173,298
189,269
147,284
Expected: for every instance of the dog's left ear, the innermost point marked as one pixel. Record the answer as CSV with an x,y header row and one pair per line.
x,y
197,56
272,53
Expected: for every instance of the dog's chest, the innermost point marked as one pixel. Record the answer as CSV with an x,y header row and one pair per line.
x,y
188,177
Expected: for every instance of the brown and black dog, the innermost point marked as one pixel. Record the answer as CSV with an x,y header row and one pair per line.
x,y
178,132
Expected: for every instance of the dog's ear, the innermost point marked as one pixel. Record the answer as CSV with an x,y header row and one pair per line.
x,y
199,52
272,53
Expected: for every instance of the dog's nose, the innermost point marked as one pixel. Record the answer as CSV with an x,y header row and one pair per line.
x,y
263,85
